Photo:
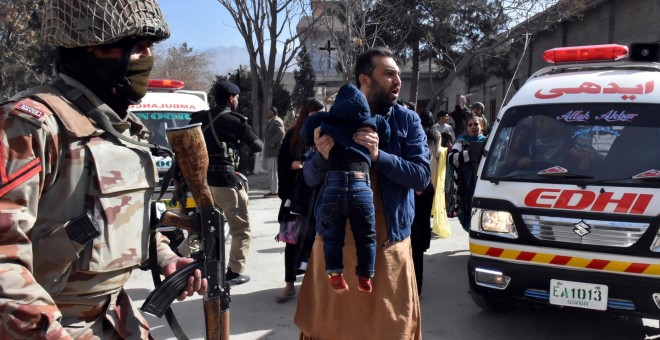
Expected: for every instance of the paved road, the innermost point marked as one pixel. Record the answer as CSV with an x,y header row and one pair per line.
x,y
447,309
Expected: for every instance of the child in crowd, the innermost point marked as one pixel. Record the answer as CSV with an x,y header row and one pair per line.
x,y
346,193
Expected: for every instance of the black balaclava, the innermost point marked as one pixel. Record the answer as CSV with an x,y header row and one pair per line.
x,y
118,83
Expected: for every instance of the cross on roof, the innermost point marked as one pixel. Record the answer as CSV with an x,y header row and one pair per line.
x,y
329,48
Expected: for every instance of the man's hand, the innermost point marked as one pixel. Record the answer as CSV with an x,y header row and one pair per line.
x,y
195,283
368,138
323,143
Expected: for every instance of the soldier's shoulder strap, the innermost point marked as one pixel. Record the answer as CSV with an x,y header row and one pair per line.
x,y
44,101
28,109
240,117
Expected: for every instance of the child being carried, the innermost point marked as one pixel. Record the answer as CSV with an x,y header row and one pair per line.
x,y
346,192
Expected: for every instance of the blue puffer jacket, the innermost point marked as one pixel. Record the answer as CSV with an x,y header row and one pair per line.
x,y
349,112
402,166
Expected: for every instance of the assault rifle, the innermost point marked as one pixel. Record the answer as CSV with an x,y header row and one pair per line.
x,y
192,158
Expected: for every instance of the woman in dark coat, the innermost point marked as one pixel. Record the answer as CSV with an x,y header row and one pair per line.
x,y
295,195
420,236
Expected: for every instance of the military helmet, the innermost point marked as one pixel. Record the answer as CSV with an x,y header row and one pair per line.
x,y
79,23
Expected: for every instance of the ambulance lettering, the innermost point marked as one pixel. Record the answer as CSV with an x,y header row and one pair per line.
x,y
163,115
164,106
587,87
625,203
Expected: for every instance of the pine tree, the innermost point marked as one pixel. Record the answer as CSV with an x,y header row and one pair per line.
x,y
240,77
304,77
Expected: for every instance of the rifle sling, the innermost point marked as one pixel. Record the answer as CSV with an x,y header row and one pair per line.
x,y
155,274
76,96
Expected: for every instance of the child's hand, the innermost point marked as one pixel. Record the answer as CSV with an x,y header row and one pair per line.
x,y
323,143
368,138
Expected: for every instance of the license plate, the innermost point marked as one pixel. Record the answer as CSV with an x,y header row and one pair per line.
x,y
578,294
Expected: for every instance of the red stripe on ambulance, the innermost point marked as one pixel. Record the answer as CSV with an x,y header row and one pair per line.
x,y
560,260
598,264
637,268
525,256
496,252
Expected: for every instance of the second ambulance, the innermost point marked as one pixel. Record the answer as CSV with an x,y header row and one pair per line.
x,y
566,210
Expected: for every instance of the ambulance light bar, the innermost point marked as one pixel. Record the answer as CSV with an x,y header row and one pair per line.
x,y
165,84
585,53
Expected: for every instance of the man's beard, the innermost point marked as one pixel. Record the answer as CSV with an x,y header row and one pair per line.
x,y
381,98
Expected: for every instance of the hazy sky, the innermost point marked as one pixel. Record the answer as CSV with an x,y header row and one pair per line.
x,y
201,23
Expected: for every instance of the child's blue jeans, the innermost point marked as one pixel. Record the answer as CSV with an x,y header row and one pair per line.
x,y
347,195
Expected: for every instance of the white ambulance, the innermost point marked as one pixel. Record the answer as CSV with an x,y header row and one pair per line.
x,y
167,105
566,210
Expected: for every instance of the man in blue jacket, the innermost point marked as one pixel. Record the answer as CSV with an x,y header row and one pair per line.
x,y
398,169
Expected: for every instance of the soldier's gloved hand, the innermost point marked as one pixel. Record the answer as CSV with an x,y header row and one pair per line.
x,y
195,283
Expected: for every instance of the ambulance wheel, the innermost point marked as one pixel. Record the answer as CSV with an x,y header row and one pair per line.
x,y
489,303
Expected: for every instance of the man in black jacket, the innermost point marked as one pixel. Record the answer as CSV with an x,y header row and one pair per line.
x,y
224,130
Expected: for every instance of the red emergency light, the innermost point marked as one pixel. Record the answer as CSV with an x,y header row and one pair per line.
x,y
165,84
585,53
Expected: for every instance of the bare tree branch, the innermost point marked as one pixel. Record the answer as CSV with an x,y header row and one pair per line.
x,y
533,16
267,27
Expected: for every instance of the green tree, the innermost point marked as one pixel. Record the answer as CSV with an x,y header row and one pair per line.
x,y
487,30
409,34
282,101
182,63
447,33
24,60
304,77
243,79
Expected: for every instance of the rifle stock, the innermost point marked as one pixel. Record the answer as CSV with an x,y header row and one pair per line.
x,y
172,219
192,158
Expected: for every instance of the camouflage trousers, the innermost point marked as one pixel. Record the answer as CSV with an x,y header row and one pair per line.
x,y
104,317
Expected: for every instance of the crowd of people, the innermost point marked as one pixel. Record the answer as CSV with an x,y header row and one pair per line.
x,y
64,269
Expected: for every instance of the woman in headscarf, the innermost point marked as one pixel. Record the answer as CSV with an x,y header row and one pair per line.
x,y
464,157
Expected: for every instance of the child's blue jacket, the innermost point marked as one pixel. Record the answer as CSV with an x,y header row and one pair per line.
x,y
349,112
402,167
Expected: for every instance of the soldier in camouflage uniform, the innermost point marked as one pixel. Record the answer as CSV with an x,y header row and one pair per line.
x,y
74,217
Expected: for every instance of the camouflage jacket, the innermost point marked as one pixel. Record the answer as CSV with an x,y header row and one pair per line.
x,y
55,165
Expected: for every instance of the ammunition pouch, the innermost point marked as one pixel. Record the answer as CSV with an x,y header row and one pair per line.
x,y
82,229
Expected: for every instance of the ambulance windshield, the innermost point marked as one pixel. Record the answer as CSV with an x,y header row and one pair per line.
x,y
615,143
158,121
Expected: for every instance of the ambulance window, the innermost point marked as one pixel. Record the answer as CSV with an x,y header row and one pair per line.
x,y
613,142
158,121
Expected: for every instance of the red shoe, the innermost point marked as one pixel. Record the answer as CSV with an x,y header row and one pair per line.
x,y
338,283
364,284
